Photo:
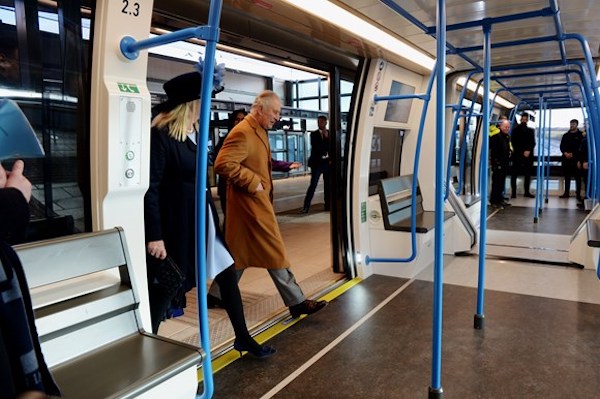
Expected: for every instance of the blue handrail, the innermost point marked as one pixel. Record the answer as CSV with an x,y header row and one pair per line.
x,y
451,147
435,390
210,33
214,17
463,143
479,315
537,190
413,212
547,159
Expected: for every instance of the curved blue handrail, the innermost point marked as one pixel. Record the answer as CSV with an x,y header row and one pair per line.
x,y
413,211
451,147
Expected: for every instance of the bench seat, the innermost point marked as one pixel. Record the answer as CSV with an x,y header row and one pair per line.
x,y
425,222
87,314
395,194
124,369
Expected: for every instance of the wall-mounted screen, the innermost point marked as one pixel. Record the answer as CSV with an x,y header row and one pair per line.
x,y
399,110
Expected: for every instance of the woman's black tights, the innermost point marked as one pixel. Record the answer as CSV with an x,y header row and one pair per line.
x,y
232,302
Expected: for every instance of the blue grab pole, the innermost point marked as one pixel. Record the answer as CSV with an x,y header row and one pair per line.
x,y
130,48
436,390
479,316
463,144
536,214
453,139
413,211
547,161
210,33
214,17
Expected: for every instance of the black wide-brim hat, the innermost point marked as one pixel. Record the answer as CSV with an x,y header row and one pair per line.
x,y
180,90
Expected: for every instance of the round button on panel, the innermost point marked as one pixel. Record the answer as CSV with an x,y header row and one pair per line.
x,y
129,173
129,155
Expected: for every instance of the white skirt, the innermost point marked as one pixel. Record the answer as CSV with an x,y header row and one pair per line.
x,y
218,257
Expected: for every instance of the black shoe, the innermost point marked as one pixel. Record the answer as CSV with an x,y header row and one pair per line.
x,y
213,302
306,307
505,199
257,351
579,198
303,211
496,206
565,195
513,195
504,203
529,195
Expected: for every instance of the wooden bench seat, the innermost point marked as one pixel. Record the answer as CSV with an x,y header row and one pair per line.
x,y
396,205
88,321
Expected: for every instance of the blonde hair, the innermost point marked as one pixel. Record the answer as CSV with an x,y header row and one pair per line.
x,y
177,120
263,100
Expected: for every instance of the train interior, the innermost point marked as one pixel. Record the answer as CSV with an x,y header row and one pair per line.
x,y
431,289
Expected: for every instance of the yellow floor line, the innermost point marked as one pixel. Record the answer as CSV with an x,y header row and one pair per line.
x,y
232,355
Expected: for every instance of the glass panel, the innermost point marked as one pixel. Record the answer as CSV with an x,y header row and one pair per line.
x,y
44,76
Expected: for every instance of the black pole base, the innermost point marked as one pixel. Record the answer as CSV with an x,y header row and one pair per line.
x,y
436,393
535,220
478,322
541,210
546,200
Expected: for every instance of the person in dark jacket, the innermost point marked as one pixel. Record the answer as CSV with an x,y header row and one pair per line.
x,y
522,139
169,208
499,161
23,371
319,163
569,146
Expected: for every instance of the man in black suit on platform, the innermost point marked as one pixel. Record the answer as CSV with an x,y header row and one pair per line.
x,y
522,139
319,163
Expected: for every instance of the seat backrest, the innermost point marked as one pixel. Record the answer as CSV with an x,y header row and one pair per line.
x,y
81,292
396,201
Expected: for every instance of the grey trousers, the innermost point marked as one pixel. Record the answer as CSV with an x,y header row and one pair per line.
x,y
284,281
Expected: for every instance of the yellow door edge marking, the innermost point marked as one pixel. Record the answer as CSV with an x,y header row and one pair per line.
x,y
232,355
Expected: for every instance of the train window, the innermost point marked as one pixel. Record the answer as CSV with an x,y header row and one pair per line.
x,y
44,70
386,154
399,111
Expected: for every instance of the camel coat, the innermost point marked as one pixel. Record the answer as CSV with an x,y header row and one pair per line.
x,y
251,230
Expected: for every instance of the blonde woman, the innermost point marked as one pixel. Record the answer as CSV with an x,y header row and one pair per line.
x,y
170,210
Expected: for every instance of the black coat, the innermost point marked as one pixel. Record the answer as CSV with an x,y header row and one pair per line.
x,y
319,152
522,139
169,208
571,142
499,151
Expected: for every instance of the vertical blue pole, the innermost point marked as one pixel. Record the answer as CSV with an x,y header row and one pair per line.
x,y
548,154
214,17
435,390
536,214
479,316
541,158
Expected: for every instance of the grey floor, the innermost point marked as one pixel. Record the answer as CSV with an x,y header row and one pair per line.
x,y
374,341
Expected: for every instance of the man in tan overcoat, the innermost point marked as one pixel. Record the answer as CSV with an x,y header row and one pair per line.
x,y
251,228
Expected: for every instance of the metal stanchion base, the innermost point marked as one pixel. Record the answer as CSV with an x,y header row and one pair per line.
x,y
478,322
546,200
535,220
436,393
